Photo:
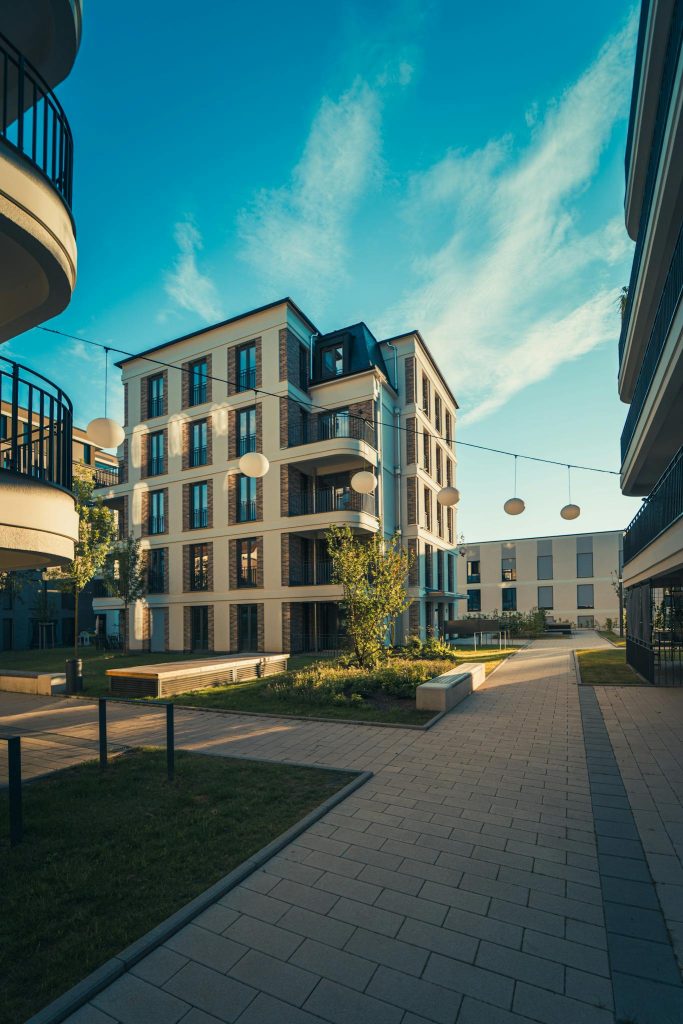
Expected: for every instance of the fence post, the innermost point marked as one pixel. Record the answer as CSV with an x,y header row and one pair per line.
x,y
102,709
170,747
14,772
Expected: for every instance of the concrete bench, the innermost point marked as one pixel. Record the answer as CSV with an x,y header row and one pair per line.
x,y
43,683
444,692
172,677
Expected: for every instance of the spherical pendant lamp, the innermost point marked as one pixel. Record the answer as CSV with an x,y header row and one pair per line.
x,y
103,431
448,496
514,506
254,464
364,482
570,511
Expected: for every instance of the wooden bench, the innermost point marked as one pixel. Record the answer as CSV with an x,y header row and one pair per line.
x,y
43,683
172,677
447,690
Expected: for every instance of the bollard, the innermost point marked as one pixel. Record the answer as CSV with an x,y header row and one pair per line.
x,y
74,675
14,772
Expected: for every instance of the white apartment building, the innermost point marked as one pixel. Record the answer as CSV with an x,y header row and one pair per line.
x,y
571,577
240,564
651,350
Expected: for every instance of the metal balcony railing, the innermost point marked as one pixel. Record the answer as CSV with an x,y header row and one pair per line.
x,y
198,456
246,380
157,524
640,46
311,573
666,91
32,121
106,477
199,517
311,642
658,512
199,580
246,512
155,466
246,443
155,406
38,426
156,583
668,305
198,394
247,576
326,428
330,500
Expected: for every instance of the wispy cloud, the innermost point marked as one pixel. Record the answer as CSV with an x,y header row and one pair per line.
x,y
185,284
297,235
517,284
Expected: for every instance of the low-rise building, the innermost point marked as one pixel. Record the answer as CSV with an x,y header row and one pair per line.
x,y
573,578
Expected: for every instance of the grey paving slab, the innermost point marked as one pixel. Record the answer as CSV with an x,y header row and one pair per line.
x,y
341,1005
210,991
134,1001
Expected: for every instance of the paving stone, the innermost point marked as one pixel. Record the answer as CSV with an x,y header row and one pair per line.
x,y
302,873
645,1001
450,943
635,921
134,1001
589,988
644,959
551,1008
337,965
255,904
412,906
484,927
341,1005
210,991
285,981
259,881
267,938
196,1016
317,926
586,934
89,1014
591,913
473,1011
528,917
522,966
216,918
344,866
633,894
431,1001
452,897
159,965
267,1010
206,948
349,887
390,880
402,956
485,985
295,894
573,954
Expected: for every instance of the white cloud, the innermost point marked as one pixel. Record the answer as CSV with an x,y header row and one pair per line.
x,y
185,284
296,236
517,284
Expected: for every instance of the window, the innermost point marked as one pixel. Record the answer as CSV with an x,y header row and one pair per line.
x,y
439,519
437,413
439,571
246,430
510,599
155,453
199,628
473,573
198,382
584,595
451,574
246,502
199,506
474,600
87,454
584,565
198,443
3,428
332,361
449,429
303,367
334,424
585,621
449,521
544,568
247,627
155,395
199,566
508,570
428,509
426,395
157,516
449,473
545,597
439,465
246,367
427,451
156,571
429,567
247,562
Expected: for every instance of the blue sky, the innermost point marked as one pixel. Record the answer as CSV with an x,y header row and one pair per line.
x,y
447,166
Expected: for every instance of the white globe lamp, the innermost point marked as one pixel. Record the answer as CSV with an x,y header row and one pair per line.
x,y
448,496
105,432
514,506
570,511
364,482
254,464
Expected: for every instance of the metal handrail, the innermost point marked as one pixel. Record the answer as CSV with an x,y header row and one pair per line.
x,y
328,499
34,124
106,477
45,452
660,510
327,427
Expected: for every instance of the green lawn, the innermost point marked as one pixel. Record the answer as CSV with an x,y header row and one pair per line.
x,y
602,666
608,634
107,856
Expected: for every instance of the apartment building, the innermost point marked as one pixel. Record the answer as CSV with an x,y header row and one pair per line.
x,y
573,578
240,563
38,47
651,350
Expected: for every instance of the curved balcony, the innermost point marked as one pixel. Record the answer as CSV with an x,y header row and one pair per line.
x,y
38,521
48,33
37,237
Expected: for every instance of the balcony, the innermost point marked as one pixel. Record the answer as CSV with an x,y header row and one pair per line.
x,y
156,583
39,522
37,238
157,524
246,443
246,380
199,518
327,499
246,512
155,466
198,456
310,573
660,511
155,406
199,580
106,477
326,428
198,393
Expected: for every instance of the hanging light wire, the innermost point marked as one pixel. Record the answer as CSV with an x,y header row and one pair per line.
x,y
322,408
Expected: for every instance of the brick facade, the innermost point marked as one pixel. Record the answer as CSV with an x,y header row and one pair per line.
x,y
125,405
414,619
123,471
411,440
286,626
290,359
411,499
414,571
410,379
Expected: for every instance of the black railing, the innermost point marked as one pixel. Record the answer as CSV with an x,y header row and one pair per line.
x,y
641,657
311,573
246,443
326,499
658,512
309,643
155,466
198,394
198,456
640,46
157,524
39,426
199,518
665,94
32,121
156,583
246,512
155,406
668,305
326,428
199,580
106,477
247,576
246,380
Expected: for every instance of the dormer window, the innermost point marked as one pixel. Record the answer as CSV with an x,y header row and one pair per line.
x,y
332,361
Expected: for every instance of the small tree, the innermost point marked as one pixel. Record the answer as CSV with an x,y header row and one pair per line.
x,y
373,574
96,533
125,577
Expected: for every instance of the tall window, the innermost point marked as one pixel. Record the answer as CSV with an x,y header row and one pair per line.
x,y
198,381
427,451
473,571
545,597
199,628
246,367
439,570
544,567
198,443
246,502
3,427
439,465
199,566
439,519
334,424
510,599
332,361
155,453
451,574
428,509
247,562
449,473
449,522
87,454
199,506
508,570
584,595
155,395
426,396
429,567
247,627
584,565
437,413
449,428
156,571
474,600
157,512
246,430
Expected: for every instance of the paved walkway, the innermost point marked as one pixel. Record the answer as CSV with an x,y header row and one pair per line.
x,y
466,882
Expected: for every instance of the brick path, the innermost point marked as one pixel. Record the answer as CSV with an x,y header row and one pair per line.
x,y
466,882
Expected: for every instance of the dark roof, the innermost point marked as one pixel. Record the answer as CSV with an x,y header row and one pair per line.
x,y
363,347
223,323
410,334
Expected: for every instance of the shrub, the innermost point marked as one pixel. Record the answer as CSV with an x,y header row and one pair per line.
x,y
324,683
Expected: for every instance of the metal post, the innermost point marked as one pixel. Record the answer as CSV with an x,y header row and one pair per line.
x,y
170,748
102,707
14,772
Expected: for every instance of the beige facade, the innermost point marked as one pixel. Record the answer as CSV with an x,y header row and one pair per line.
x,y
571,577
239,564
